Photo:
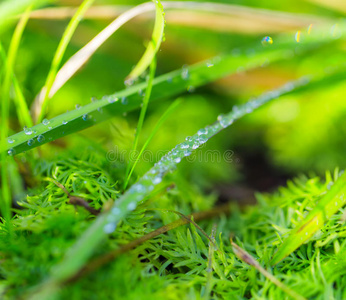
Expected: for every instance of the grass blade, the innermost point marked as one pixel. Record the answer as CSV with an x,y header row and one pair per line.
x,y
5,204
71,27
153,45
23,112
250,260
170,109
327,207
141,116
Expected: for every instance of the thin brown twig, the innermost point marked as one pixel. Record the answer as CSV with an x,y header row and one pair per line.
x,y
76,201
104,259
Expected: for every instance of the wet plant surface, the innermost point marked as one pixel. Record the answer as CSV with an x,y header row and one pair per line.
x,y
174,150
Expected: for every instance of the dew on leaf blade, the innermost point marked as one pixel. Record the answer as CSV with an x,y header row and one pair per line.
x,y
28,131
11,152
64,122
124,101
78,106
131,206
10,140
185,72
30,142
40,138
109,228
112,100
85,117
45,122
267,40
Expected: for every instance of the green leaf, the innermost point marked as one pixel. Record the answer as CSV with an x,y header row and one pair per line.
x,y
153,45
327,207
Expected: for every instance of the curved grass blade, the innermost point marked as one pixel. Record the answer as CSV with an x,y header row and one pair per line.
x,y
23,112
327,207
142,115
153,45
5,203
170,109
165,86
106,223
70,29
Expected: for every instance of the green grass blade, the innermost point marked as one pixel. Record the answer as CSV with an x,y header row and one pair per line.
x,y
141,117
23,112
65,40
327,207
153,45
168,85
5,204
137,193
170,109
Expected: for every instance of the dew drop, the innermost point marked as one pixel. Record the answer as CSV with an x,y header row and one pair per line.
x,y
30,142
129,82
112,100
93,99
184,146
124,101
177,160
28,131
85,117
131,206
202,131
11,152
189,139
40,138
45,122
298,36
64,122
209,64
267,40
115,211
157,180
185,72
109,228
10,140
202,139
191,89
77,106
309,28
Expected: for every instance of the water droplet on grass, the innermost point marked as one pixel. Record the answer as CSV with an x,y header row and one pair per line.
x,y
10,140
298,36
131,206
64,122
28,131
45,122
11,152
209,64
266,41
202,131
112,100
185,72
115,211
77,106
40,138
30,142
109,228
85,117
124,101
157,180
